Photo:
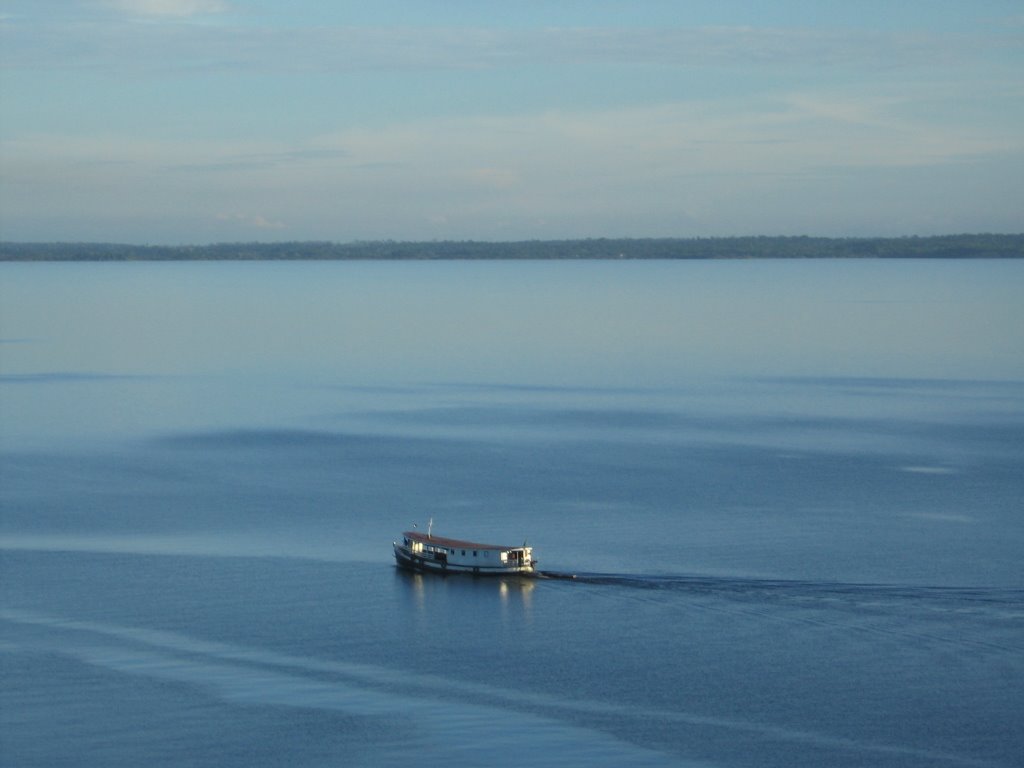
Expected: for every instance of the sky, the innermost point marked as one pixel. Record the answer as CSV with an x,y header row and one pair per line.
x,y
197,121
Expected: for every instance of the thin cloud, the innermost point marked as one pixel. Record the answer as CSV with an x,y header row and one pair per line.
x,y
596,159
250,221
1014,22
186,46
228,161
179,9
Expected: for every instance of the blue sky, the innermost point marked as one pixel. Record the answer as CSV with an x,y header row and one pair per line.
x,y
191,121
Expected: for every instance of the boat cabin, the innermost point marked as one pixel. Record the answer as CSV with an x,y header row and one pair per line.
x,y
443,553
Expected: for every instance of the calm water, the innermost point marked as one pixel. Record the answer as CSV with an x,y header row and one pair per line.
x,y
792,493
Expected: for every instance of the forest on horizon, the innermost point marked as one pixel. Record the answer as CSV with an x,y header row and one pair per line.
x,y
964,246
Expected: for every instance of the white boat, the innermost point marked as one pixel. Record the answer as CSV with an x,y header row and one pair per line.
x,y
420,552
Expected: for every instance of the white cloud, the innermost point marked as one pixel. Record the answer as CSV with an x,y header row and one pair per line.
x,y
167,8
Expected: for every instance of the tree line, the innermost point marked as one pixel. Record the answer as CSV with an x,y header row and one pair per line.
x,y
966,246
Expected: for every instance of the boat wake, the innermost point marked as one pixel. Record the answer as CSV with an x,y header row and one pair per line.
x,y
988,618
742,586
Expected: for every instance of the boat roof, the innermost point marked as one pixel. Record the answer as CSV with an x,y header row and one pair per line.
x,y
442,541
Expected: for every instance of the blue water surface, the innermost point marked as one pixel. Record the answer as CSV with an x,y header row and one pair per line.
x,y
790,493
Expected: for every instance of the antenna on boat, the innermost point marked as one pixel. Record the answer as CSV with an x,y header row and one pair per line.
x,y
430,524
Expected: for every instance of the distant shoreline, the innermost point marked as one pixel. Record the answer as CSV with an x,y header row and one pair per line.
x,y
965,246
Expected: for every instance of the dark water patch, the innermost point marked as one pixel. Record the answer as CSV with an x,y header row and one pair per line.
x,y
865,383
79,492
620,420
158,488
551,418
233,439
377,389
576,389
66,377
305,450
955,392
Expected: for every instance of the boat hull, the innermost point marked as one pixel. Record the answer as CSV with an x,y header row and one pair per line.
x,y
426,563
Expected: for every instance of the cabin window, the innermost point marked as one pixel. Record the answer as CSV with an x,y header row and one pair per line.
x,y
474,553
463,553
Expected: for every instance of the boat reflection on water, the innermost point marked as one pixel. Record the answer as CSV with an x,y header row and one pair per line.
x,y
433,601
